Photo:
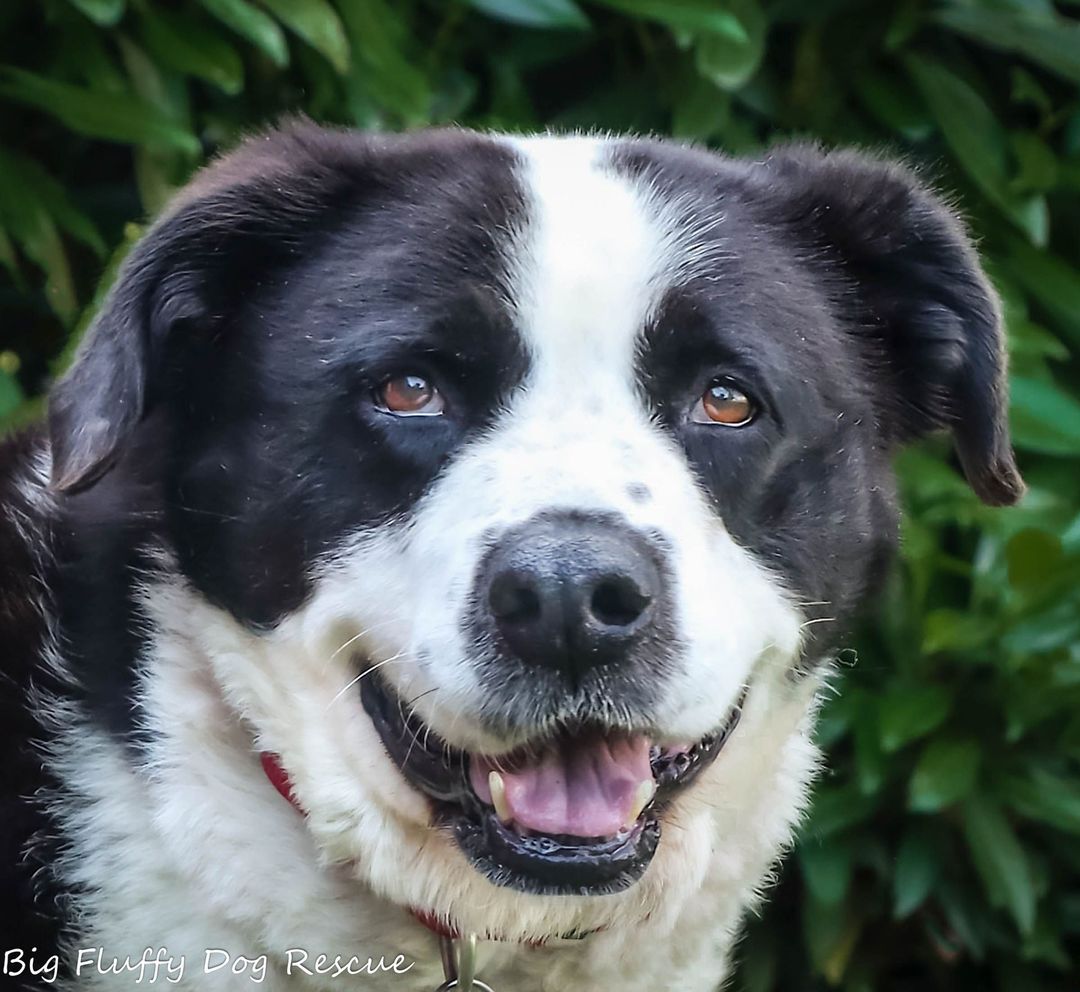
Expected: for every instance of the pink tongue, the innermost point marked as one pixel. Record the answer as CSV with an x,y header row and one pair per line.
x,y
584,787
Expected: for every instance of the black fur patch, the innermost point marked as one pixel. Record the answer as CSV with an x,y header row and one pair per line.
x,y
33,903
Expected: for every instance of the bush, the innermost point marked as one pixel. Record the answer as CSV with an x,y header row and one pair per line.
x,y
943,851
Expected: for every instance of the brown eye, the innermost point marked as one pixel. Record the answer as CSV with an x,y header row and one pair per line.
x,y
725,403
409,396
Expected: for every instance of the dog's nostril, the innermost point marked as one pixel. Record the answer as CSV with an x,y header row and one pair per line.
x,y
618,602
514,601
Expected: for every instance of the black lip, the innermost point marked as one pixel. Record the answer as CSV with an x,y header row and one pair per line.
x,y
539,864
554,865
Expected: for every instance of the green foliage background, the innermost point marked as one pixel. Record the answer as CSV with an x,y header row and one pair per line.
x,y
943,851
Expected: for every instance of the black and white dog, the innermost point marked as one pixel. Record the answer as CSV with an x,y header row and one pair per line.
x,y
498,501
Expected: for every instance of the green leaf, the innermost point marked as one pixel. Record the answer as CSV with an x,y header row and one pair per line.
x,y
318,24
906,21
42,243
535,13
1031,340
976,138
1044,417
1050,630
1037,162
249,22
11,395
728,20
836,808
702,111
9,260
31,205
884,94
86,57
918,866
1051,281
831,933
1000,860
871,763
758,954
383,71
103,12
1045,945
826,868
954,630
1032,556
1052,42
911,711
1027,89
1045,796
728,58
25,185
110,116
188,46
945,773
967,914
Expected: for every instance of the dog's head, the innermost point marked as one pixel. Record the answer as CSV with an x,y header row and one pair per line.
x,y
510,473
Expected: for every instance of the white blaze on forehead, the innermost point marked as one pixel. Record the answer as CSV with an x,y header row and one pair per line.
x,y
592,258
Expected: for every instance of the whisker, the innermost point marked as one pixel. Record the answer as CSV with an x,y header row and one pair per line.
x,y
426,692
352,640
366,671
415,740
817,620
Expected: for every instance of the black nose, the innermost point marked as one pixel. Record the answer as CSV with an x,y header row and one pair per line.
x,y
571,592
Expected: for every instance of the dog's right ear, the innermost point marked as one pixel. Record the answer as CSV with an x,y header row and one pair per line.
x,y
240,216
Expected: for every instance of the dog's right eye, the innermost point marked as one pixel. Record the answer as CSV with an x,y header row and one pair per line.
x,y
409,395
724,402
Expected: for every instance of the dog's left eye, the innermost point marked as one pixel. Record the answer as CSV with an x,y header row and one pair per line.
x,y
724,402
410,395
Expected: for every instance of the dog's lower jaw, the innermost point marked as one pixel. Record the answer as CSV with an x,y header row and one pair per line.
x,y
201,852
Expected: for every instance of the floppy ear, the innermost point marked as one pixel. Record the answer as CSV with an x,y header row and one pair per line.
x,y
913,289
94,408
241,215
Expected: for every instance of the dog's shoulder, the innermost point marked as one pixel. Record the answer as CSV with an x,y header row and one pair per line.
x,y
30,903
26,600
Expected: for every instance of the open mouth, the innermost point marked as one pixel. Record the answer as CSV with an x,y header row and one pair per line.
x,y
578,814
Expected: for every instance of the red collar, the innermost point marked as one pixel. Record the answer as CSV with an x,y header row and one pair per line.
x,y
279,778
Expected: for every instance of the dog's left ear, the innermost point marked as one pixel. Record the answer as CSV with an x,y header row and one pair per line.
x,y
912,288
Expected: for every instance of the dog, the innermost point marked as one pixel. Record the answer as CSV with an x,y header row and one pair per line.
x,y
446,536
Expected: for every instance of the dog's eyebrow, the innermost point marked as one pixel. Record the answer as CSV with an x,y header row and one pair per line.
x,y
686,327
469,335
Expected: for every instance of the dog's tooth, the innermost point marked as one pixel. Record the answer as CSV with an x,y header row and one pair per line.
x,y
642,797
498,796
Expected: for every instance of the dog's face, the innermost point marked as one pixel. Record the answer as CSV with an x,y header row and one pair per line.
x,y
515,472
